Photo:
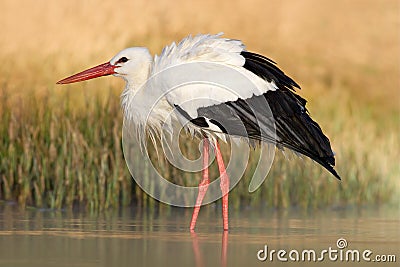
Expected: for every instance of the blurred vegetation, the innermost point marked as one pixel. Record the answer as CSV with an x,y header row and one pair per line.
x,y
59,156
61,146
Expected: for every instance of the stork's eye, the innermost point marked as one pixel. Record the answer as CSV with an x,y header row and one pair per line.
x,y
122,60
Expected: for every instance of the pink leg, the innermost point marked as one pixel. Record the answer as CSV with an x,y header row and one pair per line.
x,y
224,185
203,185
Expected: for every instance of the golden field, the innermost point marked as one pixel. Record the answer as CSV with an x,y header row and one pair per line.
x,y
60,145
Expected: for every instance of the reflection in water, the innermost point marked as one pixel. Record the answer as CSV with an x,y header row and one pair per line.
x,y
196,250
224,250
199,256
130,237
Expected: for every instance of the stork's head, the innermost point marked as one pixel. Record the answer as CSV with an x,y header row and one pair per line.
x,y
131,64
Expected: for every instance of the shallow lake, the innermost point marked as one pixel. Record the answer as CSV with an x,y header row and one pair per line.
x,y
133,237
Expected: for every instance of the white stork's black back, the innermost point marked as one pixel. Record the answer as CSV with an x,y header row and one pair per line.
x,y
294,128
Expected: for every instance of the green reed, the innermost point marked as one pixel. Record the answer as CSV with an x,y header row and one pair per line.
x,y
56,155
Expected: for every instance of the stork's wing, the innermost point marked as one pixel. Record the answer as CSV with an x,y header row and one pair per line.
x,y
294,129
255,117
249,109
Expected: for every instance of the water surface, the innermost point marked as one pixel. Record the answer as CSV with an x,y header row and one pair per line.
x,y
133,237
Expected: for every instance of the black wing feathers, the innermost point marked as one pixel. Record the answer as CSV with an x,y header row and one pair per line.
x,y
294,127
266,69
298,132
252,118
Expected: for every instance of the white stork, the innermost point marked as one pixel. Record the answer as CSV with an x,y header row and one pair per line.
x,y
221,112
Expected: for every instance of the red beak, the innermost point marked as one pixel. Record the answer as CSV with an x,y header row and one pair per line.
x,y
98,71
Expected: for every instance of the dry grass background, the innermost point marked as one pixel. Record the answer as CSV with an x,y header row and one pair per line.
x,y
344,54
